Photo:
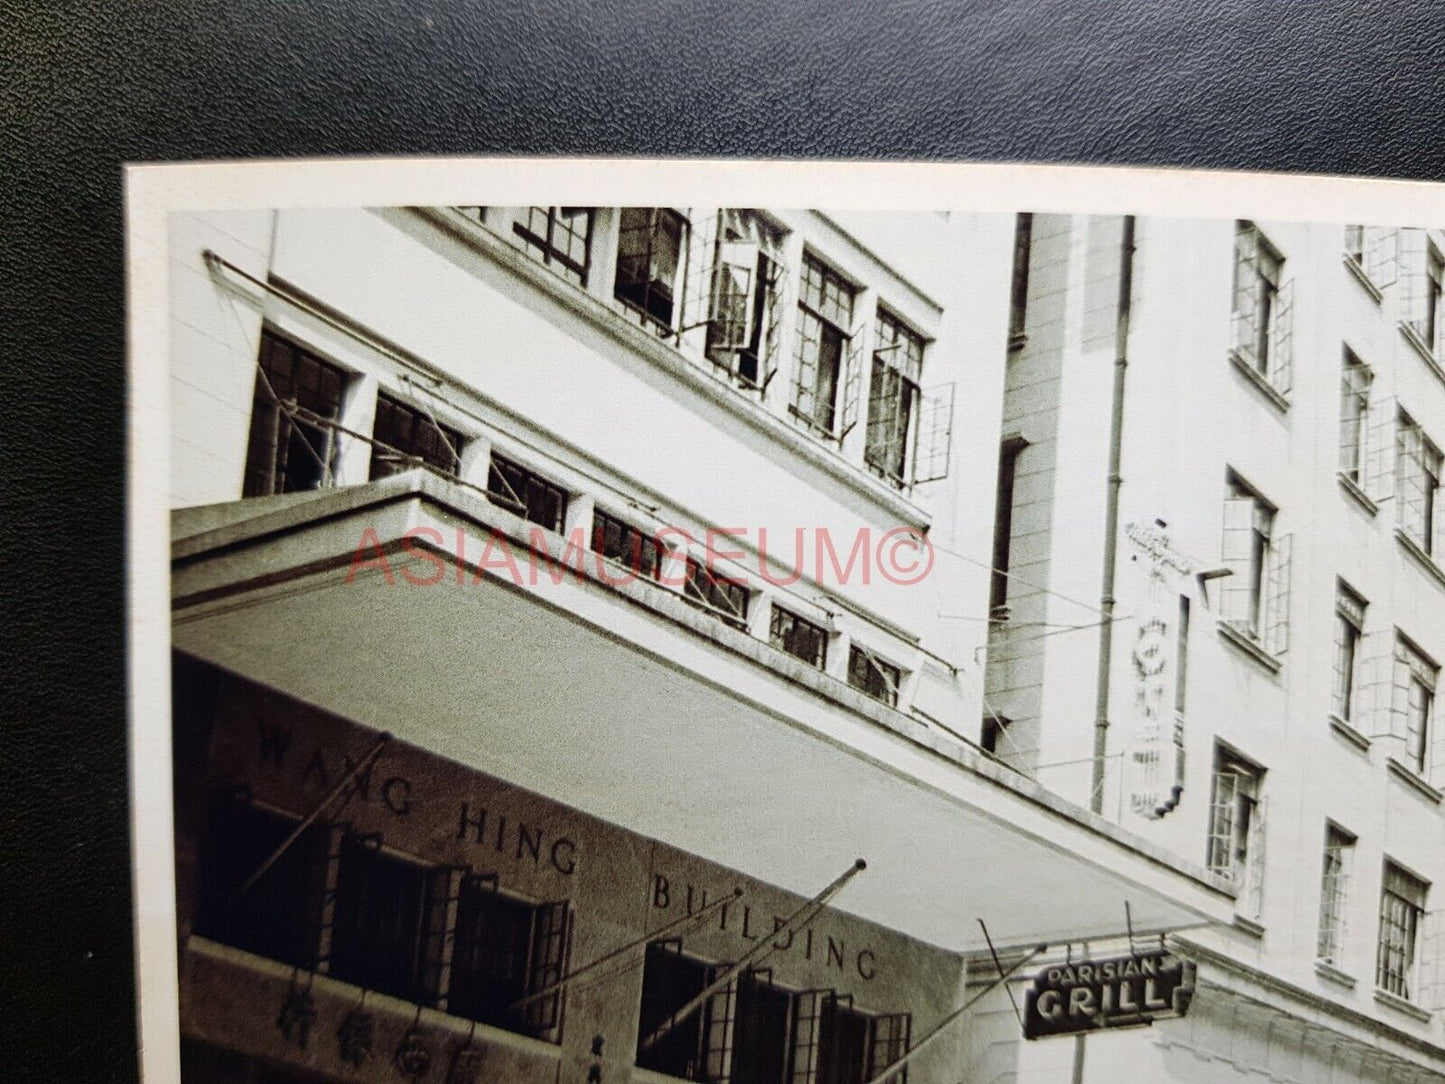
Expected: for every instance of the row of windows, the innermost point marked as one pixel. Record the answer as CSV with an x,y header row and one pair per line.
x,y
340,904
535,498
294,424
1236,851
1262,309
725,272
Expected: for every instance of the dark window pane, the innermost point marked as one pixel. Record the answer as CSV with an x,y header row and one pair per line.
x,y
290,448
275,917
526,493
760,1042
625,544
489,962
728,601
798,637
376,941
669,981
872,675
406,437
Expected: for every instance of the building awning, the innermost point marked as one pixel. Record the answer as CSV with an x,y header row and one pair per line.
x,y
628,704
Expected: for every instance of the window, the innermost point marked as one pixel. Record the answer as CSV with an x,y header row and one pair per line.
x,y
1255,596
526,493
1414,695
649,255
378,934
337,902
1008,458
892,398
505,949
711,592
406,438
294,416
1334,893
1433,328
560,237
1349,628
1019,291
1418,484
870,674
742,287
993,733
824,345
1355,381
1263,308
752,1031
1402,907
626,545
1355,245
798,637
1236,827
698,1047
279,916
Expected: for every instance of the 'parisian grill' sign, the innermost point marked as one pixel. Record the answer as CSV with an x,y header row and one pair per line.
x,y
1114,993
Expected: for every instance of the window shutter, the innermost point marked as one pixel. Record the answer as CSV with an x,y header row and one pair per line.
x,y
1431,967
934,443
891,1035
1413,271
1276,602
885,391
551,946
697,283
1381,255
1397,717
1376,663
1355,420
328,840
1253,895
1410,479
1380,444
775,304
1246,296
852,380
807,1035
1224,804
1238,557
731,315
717,1029
1281,340
444,889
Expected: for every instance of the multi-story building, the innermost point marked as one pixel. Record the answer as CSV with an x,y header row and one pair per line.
x,y
1220,616
565,597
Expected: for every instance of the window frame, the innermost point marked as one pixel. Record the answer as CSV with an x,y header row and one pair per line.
x,y
904,372
270,407
832,327
1336,868
452,441
779,638
1403,900
521,503
1351,611
638,296
544,248
889,674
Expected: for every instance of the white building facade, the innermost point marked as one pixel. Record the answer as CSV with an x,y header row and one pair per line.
x,y
1239,660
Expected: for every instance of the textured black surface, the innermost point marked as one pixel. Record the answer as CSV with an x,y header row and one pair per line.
x,y
1306,85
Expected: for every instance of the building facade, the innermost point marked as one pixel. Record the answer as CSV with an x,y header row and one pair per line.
x,y
1220,453
566,599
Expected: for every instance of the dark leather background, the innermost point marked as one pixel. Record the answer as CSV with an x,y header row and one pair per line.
x,y
1317,85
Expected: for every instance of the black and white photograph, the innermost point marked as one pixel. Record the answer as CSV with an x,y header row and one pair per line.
x,y
786,623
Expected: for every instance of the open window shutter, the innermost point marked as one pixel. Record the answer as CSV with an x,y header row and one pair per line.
x,y
1238,557
328,841
809,1006
720,1013
1381,258
1254,875
889,1042
1410,448
1246,294
444,889
1281,340
934,444
732,295
852,381
1223,807
551,946
885,391
1276,603
697,287
1431,968
774,306
1397,718
1380,442
1413,294
1376,668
